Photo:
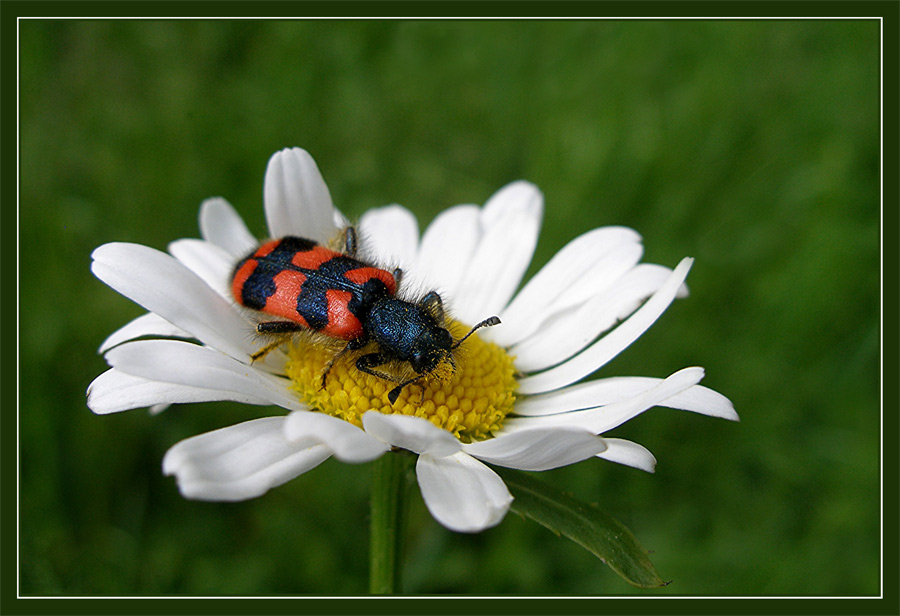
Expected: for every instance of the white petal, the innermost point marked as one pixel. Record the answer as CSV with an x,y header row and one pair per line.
x,y
389,236
163,285
513,199
582,269
239,462
538,450
212,263
149,324
347,442
338,220
296,198
462,493
705,401
413,433
174,361
611,344
447,247
223,226
114,391
567,334
642,281
617,250
697,399
510,221
599,420
628,453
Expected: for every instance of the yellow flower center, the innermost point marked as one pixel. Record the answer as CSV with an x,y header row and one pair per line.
x,y
469,398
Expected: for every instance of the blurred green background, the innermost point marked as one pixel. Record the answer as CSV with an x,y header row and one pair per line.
x,y
751,146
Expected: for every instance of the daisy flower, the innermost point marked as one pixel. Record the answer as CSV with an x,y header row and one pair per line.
x,y
514,399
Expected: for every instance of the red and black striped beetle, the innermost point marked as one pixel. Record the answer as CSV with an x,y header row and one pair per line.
x,y
313,288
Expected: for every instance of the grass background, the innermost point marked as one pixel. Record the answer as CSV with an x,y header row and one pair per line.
x,y
751,146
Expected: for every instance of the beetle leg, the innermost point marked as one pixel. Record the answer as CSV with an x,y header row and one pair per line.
x,y
266,350
280,327
350,244
367,362
434,306
395,393
281,330
398,275
353,345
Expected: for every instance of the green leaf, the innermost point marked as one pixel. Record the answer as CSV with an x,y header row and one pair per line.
x,y
584,524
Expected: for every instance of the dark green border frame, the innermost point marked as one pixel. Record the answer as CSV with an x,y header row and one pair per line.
x,y
10,11
458,9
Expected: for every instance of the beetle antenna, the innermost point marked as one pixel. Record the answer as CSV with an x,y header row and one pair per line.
x,y
488,322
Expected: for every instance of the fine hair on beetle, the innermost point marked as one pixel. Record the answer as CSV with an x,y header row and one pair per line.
x,y
335,296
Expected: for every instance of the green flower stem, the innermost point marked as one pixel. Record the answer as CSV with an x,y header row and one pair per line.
x,y
390,485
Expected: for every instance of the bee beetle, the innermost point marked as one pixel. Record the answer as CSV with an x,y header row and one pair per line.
x,y
313,288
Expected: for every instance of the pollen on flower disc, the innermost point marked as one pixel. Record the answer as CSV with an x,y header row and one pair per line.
x,y
469,401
